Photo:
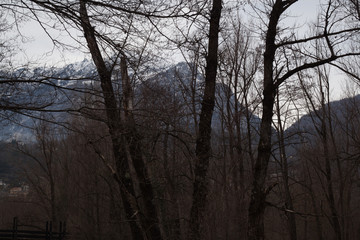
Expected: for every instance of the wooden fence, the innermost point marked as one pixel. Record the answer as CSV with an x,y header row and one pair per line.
x,y
48,234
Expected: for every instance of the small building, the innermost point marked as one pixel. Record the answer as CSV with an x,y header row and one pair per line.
x,y
15,191
19,191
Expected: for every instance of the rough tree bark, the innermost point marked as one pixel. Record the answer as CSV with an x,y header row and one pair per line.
x,y
258,193
135,155
271,84
126,142
203,143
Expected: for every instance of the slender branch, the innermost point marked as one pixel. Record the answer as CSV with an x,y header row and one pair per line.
x,y
311,65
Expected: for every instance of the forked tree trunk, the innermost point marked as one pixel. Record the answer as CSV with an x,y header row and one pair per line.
x,y
258,193
150,219
126,144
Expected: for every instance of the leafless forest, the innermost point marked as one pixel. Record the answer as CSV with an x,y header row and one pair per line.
x,y
191,119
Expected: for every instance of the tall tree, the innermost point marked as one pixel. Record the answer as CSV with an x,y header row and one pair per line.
x,y
325,131
203,142
126,142
282,119
275,73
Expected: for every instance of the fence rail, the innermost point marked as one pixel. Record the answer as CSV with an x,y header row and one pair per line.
x,y
47,234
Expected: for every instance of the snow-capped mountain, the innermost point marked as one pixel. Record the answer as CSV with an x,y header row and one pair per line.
x,y
54,92
30,94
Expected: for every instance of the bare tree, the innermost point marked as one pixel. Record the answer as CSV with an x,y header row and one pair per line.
x,y
107,52
203,143
42,170
284,106
275,74
239,62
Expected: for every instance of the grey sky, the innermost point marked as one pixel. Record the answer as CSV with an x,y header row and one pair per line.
x,y
40,48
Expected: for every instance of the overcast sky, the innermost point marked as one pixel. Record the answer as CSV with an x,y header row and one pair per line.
x,y
40,44
40,48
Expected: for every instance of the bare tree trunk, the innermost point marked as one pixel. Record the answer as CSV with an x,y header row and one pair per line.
x,y
323,132
174,228
203,143
330,195
258,193
285,176
133,142
328,170
52,194
238,139
341,180
126,144
317,218
309,187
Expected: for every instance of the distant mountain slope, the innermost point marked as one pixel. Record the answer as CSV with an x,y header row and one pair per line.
x,y
53,89
61,90
345,119
181,86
